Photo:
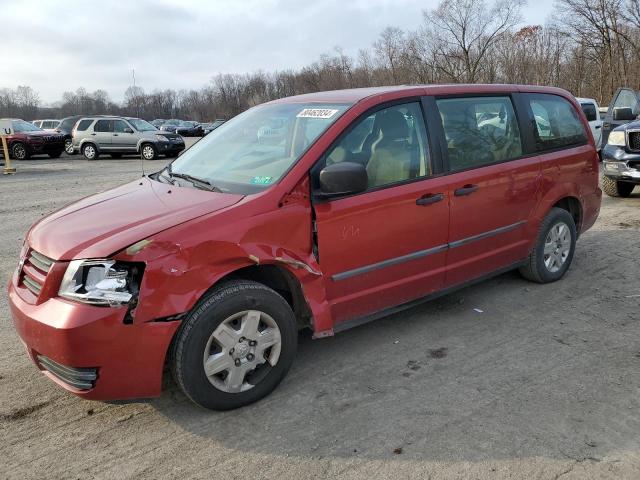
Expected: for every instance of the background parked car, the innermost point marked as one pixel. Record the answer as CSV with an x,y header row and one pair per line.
x,y
592,112
119,135
28,140
624,108
157,122
184,128
65,127
48,125
211,126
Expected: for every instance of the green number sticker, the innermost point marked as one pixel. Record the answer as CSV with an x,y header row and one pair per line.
x,y
261,180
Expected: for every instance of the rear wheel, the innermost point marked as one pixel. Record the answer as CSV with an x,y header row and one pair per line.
x,y
553,252
236,346
148,152
19,151
90,151
616,188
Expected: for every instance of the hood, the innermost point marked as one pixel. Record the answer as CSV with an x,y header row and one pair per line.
x,y
51,134
102,224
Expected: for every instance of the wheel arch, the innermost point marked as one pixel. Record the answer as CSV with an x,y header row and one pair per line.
x,y
574,207
279,279
86,141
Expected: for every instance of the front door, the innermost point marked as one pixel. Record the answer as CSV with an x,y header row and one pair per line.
x,y
123,140
493,188
387,245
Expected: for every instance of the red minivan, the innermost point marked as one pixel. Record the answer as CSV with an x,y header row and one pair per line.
x,y
319,211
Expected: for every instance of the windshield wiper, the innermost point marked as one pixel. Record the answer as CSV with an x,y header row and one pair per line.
x,y
198,182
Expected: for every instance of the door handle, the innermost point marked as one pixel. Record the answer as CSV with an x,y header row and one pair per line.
x,y
598,126
430,198
93,134
466,190
115,134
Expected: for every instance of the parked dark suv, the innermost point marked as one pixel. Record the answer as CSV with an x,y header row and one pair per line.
x,y
28,140
621,160
65,127
623,108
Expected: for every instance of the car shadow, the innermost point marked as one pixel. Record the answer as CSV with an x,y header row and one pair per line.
x,y
501,370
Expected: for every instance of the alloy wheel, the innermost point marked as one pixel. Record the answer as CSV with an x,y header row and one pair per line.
x,y
557,246
19,152
68,147
241,351
148,152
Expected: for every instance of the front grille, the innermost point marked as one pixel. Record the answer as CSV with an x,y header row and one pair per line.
x,y
34,271
634,140
80,378
53,138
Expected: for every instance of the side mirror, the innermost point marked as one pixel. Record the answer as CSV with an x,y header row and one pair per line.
x,y
343,178
128,130
623,114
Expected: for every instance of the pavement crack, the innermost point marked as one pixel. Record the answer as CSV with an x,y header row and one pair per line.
x,y
23,412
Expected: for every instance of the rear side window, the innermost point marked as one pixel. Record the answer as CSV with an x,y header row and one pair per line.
x,y
589,110
83,125
103,126
479,131
556,122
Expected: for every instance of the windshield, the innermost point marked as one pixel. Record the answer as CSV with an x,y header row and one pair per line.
x,y
252,151
141,125
173,122
20,126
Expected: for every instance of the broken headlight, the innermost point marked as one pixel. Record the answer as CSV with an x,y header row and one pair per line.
x,y
101,282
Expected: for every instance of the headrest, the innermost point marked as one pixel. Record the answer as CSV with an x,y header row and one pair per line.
x,y
393,125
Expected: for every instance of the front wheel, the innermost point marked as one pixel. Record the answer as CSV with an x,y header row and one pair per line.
x,y
615,188
235,347
148,152
553,252
68,147
19,152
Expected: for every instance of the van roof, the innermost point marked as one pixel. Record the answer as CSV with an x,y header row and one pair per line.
x,y
354,95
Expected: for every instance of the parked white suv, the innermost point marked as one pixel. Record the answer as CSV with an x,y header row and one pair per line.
x,y
592,112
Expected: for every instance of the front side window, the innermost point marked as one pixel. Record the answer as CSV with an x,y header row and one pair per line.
x,y
557,124
103,126
119,126
627,99
390,143
255,149
479,131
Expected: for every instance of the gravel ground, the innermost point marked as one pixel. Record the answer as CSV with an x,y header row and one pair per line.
x,y
543,383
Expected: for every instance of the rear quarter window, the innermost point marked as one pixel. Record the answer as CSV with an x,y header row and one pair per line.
x,y
556,123
83,125
589,110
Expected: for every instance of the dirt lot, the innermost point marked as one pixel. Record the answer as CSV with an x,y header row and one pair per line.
x,y
543,383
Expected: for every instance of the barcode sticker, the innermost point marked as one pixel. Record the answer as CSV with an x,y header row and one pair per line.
x,y
317,113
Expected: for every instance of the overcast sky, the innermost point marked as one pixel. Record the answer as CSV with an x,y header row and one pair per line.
x,y
55,46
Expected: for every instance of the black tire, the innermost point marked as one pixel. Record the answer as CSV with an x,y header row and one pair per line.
x,y
55,154
115,155
148,151
196,330
535,269
68,147
616,188
19,151
90,151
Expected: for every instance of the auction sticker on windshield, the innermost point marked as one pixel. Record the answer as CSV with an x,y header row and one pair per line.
x,y
317,113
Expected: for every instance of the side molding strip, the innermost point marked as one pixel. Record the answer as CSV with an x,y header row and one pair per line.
x,y
423,253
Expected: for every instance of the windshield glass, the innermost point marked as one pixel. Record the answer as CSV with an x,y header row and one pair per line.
x,y
21,126
253,150
141,125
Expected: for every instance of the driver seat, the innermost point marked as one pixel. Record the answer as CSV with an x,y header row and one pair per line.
x,y
391,154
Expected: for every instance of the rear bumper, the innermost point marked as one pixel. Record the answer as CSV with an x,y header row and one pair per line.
x,y
68,341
